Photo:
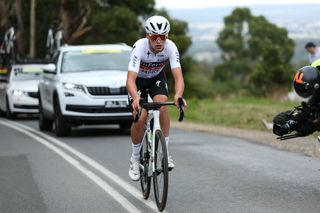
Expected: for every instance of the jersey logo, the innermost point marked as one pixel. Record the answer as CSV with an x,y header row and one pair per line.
x,y
158,83
134,61
298,78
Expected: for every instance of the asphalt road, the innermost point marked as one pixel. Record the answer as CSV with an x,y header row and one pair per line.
x,y
88,172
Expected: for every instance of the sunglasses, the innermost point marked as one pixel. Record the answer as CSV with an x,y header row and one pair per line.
x,y
154,37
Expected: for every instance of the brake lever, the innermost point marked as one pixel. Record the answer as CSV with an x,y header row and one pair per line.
x,y
138,112
136,118
180,102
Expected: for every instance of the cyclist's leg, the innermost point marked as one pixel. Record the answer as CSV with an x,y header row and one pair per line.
x,y
164,115
159,93
137,130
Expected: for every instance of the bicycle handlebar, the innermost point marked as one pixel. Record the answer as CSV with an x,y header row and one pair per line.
x,y
157,106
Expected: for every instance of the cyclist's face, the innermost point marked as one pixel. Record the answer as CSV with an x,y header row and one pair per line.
x,y
157,42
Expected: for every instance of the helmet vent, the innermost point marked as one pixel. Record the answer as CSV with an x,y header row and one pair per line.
x,y
159,25
153,27
165,27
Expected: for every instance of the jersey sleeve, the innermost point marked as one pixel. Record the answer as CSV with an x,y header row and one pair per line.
x,y
135,58
174,56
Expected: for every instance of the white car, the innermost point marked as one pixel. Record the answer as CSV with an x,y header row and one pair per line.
x,y
19,91
85,85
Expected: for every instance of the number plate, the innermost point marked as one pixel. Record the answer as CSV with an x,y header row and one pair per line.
x,y
115,104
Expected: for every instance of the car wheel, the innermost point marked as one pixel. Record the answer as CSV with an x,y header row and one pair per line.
x,y
9,114
62,128
45,124
2,113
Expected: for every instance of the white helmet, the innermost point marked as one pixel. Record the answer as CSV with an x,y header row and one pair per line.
x,y
157,25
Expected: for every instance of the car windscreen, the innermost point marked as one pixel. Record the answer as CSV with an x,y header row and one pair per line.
x,y
95,60
28,72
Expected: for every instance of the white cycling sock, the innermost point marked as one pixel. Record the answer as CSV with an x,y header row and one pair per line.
x,y
167,143
135,151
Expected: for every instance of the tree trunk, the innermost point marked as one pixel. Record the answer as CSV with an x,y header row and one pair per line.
x,y
20,28
3,19
32,52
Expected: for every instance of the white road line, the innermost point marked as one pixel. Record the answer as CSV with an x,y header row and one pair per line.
x,y
115,178
97,180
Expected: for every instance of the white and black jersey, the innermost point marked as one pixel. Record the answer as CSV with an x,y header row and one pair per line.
x,y
148,64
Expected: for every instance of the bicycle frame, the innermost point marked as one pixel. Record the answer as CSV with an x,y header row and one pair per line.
x,y
150,136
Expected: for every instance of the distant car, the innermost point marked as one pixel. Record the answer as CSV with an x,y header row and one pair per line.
x,y
85,85
19,90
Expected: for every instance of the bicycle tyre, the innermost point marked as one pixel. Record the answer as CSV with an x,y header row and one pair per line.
x,y
145,180
161,168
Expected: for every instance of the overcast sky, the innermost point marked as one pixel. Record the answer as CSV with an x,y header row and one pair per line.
x,y
176,4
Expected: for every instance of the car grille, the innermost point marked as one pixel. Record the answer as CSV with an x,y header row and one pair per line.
x,y
33,94
26,106
96,109
107,91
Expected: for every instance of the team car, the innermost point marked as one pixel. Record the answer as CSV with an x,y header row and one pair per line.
x,y
19,90
85,85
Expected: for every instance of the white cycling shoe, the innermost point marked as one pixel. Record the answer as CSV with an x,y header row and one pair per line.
x,y
134,170
170,163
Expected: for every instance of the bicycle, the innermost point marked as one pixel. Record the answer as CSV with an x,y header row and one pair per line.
x,y
8,47
153,154
54,40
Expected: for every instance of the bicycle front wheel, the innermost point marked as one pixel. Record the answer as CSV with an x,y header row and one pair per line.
x,y
145,180
160,175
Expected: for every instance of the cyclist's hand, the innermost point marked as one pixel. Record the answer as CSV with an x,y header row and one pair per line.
x,y
176,101
135,107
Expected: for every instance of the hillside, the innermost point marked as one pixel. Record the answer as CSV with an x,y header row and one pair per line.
x,y
301,20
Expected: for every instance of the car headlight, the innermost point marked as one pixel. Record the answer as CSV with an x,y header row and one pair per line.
x,y
73,87
17,92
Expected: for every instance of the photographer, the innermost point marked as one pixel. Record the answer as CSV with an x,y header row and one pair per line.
x,y
304,119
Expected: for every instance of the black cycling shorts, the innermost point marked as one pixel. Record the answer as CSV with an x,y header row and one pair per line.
x,y
152,86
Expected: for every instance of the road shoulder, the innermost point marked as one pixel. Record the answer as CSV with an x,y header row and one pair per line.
x,y
308,146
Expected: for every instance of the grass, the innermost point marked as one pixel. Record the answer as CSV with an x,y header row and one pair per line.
x,y
241,112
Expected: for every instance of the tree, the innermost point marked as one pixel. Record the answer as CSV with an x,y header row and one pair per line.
x,y
255,53
112,21
117,25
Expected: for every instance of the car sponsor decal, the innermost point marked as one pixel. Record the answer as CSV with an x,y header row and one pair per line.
x,y
92,51
28,69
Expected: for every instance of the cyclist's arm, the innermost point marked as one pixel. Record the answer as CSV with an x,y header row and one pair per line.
x,y
178,82
133,67
176,70
131,84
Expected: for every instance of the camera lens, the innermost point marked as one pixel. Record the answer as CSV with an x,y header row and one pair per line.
x,y
289,125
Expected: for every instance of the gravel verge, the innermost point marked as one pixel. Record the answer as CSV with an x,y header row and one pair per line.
x,y
308,146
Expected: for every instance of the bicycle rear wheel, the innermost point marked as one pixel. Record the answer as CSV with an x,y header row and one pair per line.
x,y
160,176
145,180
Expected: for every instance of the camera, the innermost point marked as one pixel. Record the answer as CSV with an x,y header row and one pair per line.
x,y
289,126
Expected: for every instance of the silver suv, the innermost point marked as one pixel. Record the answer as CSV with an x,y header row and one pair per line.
x,y
85,85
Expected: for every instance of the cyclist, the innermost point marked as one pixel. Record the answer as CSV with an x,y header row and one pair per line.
x,y
146,76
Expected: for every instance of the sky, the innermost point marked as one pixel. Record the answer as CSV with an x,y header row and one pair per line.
x,y
180,4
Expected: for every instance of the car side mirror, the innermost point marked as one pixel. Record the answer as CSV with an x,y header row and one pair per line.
x,y
49,68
